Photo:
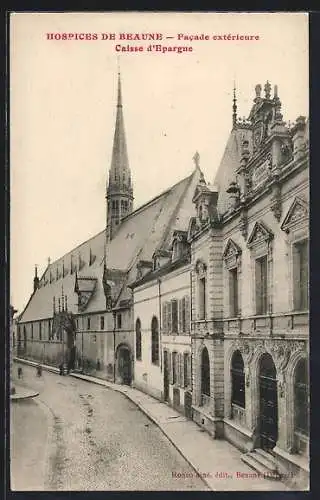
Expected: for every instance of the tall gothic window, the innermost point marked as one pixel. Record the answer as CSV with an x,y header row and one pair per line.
x,y
301,275
237,380
233,292
138,339
301,398
262,285
205,372
202,298
155,341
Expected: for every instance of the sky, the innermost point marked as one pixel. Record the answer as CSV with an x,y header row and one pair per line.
x,y
63,106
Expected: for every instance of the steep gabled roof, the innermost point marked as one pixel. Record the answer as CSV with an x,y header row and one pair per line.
x,y
229,163
142,232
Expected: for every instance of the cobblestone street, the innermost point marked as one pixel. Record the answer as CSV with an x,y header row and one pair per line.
x,y
80,436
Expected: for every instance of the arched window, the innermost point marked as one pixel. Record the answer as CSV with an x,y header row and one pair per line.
x,y
301,398
155,341
138,339
237,380
205,374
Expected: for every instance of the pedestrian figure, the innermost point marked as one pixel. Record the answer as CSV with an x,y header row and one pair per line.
x,y
61,368
39,371
20,374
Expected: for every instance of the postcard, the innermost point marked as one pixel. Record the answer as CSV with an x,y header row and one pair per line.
x,y
159,282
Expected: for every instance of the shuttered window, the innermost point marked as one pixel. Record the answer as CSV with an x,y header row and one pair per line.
x,y
164,317
181,371
155,341
138,339
186,369
174,312
301,275
174,367
169,317
187,309
261,285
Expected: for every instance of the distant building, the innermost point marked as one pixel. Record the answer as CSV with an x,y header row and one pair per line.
x,y
81,308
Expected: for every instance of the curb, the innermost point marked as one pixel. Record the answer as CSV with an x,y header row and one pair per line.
x,y
120,390
14,397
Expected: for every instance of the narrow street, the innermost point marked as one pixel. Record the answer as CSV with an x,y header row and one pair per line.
x,y
81,436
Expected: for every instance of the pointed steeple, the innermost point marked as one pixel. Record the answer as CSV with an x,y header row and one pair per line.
x,y
234,106
119,188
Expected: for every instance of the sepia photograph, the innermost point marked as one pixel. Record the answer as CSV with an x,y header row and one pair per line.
x,y
159,251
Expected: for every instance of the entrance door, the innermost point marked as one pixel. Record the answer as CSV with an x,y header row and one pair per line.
x,y
268,403
125,366
166,375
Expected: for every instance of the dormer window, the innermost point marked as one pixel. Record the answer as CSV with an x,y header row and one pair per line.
x,y
200,213
176,250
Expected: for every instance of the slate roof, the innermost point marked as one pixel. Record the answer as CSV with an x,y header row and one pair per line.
x,y
145,230
229,163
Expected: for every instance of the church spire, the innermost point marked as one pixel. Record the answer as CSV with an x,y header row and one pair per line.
x,y
119,188
234,107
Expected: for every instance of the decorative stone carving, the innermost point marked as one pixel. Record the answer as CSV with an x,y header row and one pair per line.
x,y
243,223
297,214
260,233
200,267
276,202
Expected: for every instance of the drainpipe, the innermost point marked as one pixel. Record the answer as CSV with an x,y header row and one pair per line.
x,y
114,346
192,341
160,323
82,367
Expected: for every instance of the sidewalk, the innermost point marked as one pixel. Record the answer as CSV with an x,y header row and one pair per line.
x,y
216,461
22,393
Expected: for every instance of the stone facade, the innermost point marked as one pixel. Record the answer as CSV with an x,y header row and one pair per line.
x,y
263,220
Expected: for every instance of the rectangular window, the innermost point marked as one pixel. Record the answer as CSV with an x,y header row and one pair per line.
x,y
101,322
262,285
119,321
186,363
174,312
301,275
233,293
77,323
31,331
88,323
174,367
40,330
202,298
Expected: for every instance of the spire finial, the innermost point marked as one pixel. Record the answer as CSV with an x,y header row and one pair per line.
x,y
267,90
36,270
119,101
234,107
196,159
49,261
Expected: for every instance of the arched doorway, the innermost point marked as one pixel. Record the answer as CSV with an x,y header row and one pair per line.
x,y
301,405
268,418
124,363
205,375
